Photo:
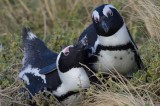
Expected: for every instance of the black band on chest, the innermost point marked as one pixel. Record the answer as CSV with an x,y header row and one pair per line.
x,y
63,97
129,45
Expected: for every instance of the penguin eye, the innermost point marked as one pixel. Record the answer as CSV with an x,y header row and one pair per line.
x,y
96,20
110,13
66,53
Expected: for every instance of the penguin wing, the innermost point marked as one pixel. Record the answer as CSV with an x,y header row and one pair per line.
x,y
137,57
50,68
132,39
139,62
91,34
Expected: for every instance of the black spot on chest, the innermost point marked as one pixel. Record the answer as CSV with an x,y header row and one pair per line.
x,y
121,58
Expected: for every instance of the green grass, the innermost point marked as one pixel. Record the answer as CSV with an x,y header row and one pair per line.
x,y
59,23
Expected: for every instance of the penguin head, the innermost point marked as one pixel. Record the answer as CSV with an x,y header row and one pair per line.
x,y
106,20
71,57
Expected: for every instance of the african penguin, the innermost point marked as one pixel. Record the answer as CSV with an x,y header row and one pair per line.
x,y
112,45
72,74
39,69
38,57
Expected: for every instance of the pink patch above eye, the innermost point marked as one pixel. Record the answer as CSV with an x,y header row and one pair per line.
x,y
66,50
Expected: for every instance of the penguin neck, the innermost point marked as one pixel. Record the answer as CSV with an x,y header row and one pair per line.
x,y
70,74
121,37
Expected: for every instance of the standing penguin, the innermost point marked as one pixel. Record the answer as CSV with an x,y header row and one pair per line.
x,y
112,46
39,69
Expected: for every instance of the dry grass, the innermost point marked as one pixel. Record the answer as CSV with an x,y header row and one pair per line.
x,y
59,23
148,11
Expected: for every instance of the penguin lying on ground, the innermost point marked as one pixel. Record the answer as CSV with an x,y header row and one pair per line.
x,y
40,66
72,74
36,57
112,45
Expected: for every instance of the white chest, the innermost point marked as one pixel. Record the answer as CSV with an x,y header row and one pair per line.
x,y
72,80
121,61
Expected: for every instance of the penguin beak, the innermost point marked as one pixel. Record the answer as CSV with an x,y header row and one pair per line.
x,y
104,26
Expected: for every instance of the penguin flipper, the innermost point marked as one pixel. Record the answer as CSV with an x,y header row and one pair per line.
x,y
137,57
91,35
50,68
139,62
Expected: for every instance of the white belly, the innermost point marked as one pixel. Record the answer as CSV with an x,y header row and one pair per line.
x,y
72,80
122,61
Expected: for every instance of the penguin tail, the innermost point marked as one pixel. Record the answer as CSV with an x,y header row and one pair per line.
x,y
27,34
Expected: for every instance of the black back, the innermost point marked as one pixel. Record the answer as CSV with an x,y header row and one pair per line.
x,y
36,52
37,55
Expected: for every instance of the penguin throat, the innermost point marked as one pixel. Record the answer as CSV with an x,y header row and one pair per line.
x,y
121,37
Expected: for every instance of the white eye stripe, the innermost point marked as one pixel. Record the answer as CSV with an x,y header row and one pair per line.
x,y
95,15
107,9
